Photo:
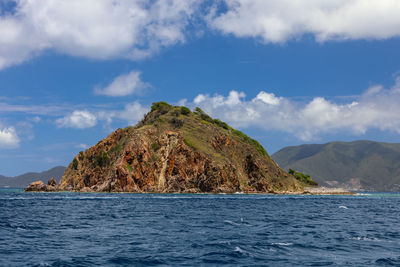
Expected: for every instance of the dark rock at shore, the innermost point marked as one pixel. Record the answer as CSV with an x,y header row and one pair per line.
x,y
52,182
39,186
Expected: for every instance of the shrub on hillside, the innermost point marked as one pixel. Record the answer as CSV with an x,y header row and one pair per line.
x,y
155,146
185,111
304,178
75,164
102,159
162,107
177,123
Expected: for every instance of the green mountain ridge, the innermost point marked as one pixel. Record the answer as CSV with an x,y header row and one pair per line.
x,y
364,165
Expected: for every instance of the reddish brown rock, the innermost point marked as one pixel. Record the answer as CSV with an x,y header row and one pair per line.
x,y
52,182
36,186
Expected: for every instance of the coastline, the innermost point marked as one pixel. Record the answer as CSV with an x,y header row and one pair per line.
x,y
306,191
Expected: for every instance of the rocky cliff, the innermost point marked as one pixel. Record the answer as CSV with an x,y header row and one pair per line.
x,y
176,150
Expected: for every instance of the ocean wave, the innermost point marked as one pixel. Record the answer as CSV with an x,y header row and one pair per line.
x,y
284,244
364,238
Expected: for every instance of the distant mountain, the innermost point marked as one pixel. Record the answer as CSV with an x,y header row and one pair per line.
x,y
24,180
354,165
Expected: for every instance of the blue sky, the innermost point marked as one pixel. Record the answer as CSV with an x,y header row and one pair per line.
x,y
285,73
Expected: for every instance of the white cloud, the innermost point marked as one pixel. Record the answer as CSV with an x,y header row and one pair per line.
x,y
44,109
18,41
132,113
99,29
267,98
123,85
276,21
8,137
135,29
82,146
375,109
78,119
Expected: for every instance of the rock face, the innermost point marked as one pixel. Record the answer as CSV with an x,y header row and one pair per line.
x,y
39,186
52,182
36,186
175,150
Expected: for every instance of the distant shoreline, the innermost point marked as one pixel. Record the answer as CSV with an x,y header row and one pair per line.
x,y
308,191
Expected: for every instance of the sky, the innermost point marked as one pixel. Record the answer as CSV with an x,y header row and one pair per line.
x,y
284,72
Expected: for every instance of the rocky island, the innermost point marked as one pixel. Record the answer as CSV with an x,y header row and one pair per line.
x,y
175,150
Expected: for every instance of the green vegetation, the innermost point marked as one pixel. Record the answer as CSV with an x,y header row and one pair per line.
x,y
173,118
153,158
304,178
129,129
81,156
102,159
221,124
162,107
206,118
190,144
238,133
185,111
129,167
75,164
155,146
251,141
115,148
177,123
198,110
176,112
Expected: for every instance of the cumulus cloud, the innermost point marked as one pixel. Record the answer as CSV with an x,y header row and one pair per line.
x,y
123,85
135,29
99,29
8,137
79,119
377,108
131,113
276,21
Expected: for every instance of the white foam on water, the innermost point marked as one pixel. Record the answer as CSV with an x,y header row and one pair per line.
x,y
343,207
282,244
81,197
232,223
364,238
238,249
241,251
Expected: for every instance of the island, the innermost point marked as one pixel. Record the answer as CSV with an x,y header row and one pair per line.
x,y
176,150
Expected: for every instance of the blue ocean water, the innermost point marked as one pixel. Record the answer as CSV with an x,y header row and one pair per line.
x,y
74,229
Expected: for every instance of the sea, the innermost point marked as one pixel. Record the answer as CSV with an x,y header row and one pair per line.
x,y
114,229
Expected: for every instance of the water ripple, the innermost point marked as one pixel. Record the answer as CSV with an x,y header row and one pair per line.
x,y
78,229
